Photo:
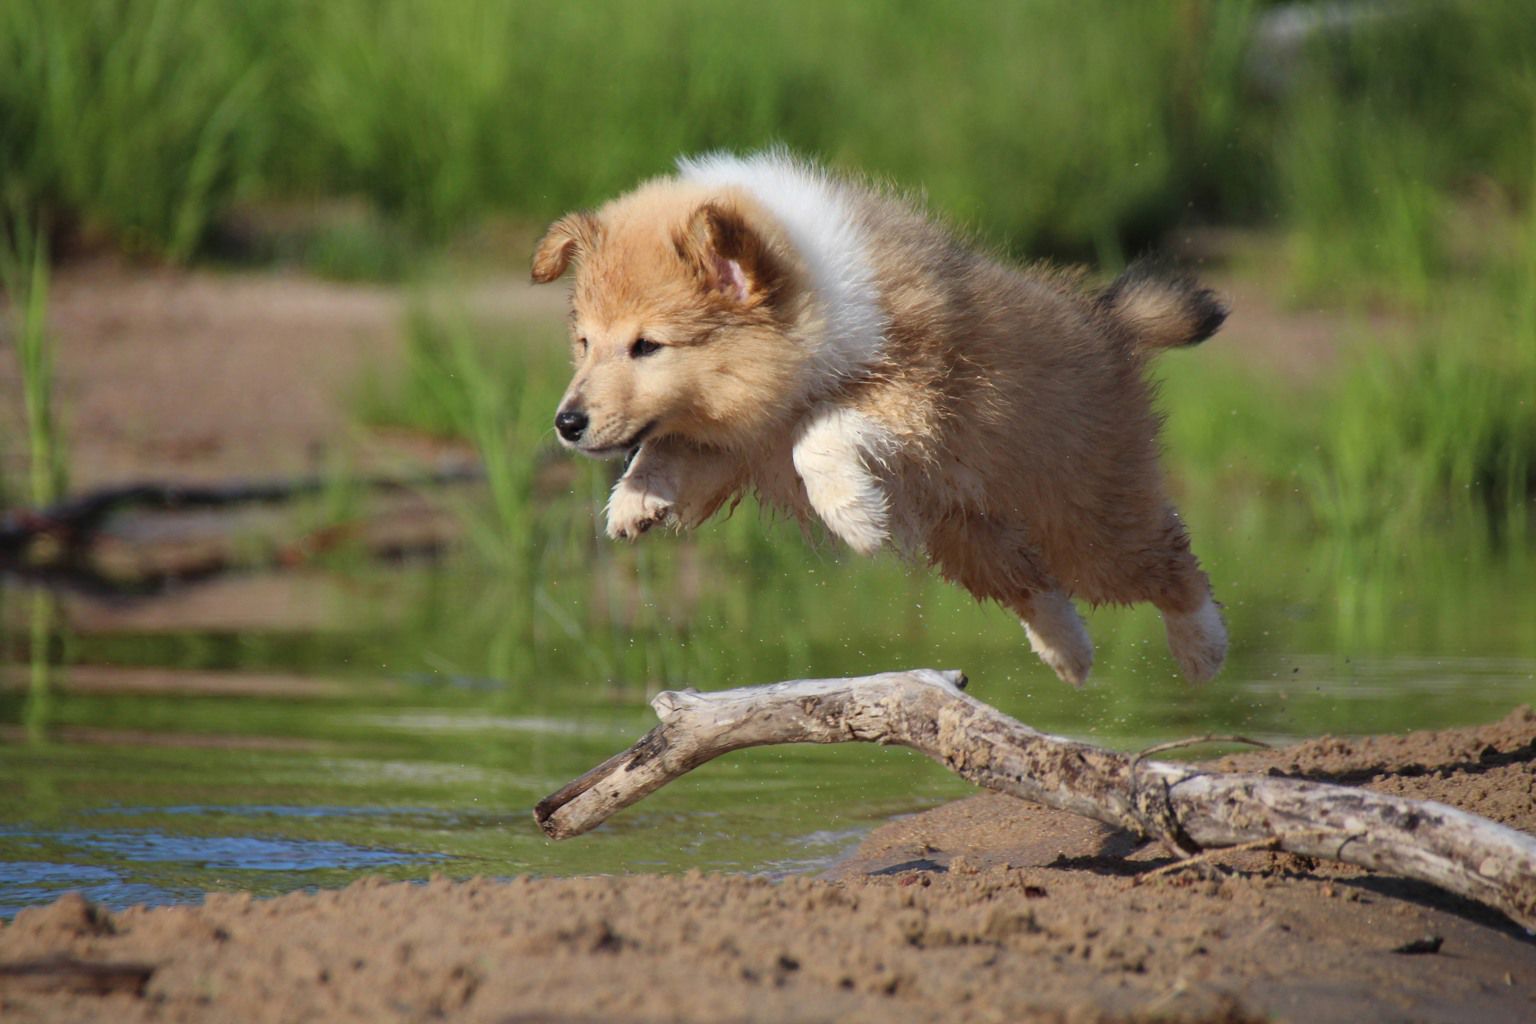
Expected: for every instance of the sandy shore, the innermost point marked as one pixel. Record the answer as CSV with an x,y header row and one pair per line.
x,y
988,909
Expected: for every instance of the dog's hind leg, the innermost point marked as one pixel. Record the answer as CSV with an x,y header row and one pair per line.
x,y
1148,559
1056,633
1197,635
995,561
1197,638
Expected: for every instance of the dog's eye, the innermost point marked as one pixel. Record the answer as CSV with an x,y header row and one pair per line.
x,y
581,345
642,348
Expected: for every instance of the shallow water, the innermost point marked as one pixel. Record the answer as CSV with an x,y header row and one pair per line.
x,y
404,721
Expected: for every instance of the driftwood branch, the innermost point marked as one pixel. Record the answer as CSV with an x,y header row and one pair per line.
x,y
1187,808
75,520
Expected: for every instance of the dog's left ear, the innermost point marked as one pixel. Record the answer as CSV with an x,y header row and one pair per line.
x,y
566,239
730,256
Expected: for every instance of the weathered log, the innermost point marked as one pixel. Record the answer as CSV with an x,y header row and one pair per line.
x,y
1186,807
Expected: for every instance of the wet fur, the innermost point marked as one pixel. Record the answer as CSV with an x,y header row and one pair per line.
x,y
992,419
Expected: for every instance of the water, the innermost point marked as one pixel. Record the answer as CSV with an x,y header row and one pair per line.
x,y
302,729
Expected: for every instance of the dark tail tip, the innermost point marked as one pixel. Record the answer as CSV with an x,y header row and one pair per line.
x,y
1162,306
1210,313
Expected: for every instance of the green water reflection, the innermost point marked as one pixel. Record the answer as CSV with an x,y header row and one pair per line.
x,y
411,728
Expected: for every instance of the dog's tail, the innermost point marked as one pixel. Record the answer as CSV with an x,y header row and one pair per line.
x,y
1162,308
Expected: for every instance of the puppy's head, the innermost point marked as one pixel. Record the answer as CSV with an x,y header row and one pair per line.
x,y
680,319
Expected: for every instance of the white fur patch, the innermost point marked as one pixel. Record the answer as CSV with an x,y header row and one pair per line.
x,y
644,497
1057,634
1198,641
819,220
833,450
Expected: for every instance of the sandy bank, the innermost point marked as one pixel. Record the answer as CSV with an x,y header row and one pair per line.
x,y
986,909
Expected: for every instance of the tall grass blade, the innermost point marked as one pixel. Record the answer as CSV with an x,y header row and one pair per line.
x,y
24,277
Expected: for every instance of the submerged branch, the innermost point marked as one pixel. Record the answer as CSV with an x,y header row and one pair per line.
x,y
1187,808
75,521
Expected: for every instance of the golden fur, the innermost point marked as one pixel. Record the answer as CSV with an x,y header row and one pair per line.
x,y
995,419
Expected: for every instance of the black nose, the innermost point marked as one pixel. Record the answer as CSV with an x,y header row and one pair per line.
x,y
571,424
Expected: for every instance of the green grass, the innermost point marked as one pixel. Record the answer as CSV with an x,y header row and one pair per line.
x,y
1365,219
134,121
1442,433
459,383
1051,126
1055,124
1415,441
1391,128
24,278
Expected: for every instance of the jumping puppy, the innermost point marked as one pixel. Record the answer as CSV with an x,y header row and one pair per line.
x,y
756,323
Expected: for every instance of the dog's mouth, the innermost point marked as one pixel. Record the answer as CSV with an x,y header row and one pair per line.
x,y
614,451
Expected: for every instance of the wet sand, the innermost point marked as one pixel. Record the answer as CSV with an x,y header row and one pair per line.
x,y
988,909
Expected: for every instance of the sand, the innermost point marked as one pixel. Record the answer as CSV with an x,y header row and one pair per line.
x,y
989,909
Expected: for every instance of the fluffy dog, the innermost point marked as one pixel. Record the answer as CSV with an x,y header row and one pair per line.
x,y
756,323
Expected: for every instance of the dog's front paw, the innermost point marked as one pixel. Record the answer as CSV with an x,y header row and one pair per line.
x,y
632,511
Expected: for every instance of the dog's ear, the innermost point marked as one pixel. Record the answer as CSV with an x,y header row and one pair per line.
x,y
566,239
729,255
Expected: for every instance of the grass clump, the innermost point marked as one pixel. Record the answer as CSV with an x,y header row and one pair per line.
x,y
1393,121
1443,431
458,384
137,121
413,108
24,278
1432,435
1420,439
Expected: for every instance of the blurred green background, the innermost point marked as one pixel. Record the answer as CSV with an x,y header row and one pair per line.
x,y
1356,452
1069,128
1052,128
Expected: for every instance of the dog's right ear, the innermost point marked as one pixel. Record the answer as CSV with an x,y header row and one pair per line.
x,y
566,239
730,256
